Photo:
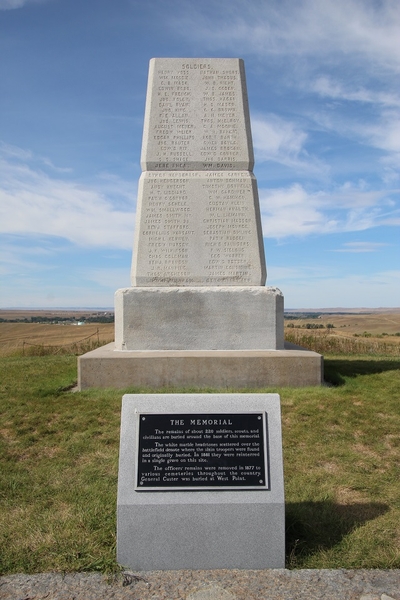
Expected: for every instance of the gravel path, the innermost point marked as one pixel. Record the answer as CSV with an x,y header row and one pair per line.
x,y
282,584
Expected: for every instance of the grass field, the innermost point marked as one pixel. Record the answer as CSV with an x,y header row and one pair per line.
x,y
376,323
59,466
43,338
370,333
375,334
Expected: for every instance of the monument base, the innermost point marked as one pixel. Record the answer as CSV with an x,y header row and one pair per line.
x,y
199,318
106,367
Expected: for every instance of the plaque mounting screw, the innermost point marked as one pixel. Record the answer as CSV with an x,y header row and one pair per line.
x,y
143,418
261,481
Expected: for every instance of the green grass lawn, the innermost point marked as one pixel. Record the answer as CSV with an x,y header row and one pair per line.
x,y
59,467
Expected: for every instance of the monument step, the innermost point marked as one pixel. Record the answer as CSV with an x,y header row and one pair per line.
x,y
106,367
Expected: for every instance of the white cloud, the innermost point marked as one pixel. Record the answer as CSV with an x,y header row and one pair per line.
x,y
386,133
380,131
354,197
16,258
346,51
13,153
276,139
12,4
391,165
357,247
295,212
378,128
291,211
32,202
327,87
359,30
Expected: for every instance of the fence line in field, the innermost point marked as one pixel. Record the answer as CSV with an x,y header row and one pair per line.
x,y
58,347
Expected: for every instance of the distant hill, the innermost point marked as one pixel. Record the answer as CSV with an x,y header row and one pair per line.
x,y
344,311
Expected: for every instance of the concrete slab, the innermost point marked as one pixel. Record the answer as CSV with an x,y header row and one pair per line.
x,y
106,367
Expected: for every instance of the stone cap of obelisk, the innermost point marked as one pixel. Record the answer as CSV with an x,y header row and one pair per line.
x,y
197,116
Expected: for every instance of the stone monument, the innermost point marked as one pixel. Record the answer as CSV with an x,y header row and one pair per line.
x,y
198,312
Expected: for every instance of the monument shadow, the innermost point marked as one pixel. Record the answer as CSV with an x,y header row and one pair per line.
x,y
335,370
315,526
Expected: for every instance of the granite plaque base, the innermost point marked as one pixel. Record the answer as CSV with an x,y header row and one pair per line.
x,y
213,529
199,318
106,367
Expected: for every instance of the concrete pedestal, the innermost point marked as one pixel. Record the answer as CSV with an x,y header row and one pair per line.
x,y
199,318
217,369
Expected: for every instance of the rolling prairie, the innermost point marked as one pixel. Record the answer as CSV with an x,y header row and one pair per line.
x,y
19,336
376,324
15,336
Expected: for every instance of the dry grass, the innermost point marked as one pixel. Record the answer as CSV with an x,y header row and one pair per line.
x,y
59,455
25,337
328,341
376,323
376,333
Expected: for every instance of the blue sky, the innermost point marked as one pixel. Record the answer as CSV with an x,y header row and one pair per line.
x,y
324,94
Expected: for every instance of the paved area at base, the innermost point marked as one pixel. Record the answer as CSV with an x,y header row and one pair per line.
x,y
276,584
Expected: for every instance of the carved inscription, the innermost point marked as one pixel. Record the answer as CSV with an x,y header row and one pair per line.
x,y
198,218
197,117
198,229
202,450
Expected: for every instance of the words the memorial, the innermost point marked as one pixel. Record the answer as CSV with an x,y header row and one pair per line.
x,y
207,451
